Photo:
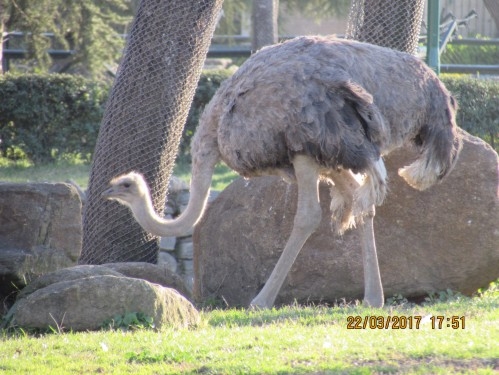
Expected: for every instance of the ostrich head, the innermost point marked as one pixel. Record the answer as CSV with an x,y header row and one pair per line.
x,y
129,189
132,191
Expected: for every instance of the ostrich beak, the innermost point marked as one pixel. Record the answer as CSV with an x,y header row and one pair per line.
x,y
108,194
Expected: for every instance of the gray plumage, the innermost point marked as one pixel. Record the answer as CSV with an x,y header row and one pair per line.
x,y
310,108
341,102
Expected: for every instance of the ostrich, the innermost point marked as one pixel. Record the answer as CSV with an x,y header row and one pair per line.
x,y
316,108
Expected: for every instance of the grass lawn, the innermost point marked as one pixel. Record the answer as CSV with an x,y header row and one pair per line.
x,y
77,170
289,340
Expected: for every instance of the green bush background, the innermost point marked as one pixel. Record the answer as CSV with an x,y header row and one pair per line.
x,y
478,100
470,54
43,117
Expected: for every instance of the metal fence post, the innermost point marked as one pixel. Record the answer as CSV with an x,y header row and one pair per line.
x,y
432,51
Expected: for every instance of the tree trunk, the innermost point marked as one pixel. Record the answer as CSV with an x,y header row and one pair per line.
x,y
143,121
493,8
393,24
264,23
2,29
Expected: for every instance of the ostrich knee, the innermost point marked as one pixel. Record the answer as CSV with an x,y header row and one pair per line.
x,y
307,220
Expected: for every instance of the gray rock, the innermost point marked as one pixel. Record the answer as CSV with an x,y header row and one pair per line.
x,y
86,303
167,243
157,274
40,231
445,237
185,248
167,260
176,192
188,273
66,274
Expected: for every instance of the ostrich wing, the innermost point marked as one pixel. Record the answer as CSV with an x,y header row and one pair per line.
x,y
340,127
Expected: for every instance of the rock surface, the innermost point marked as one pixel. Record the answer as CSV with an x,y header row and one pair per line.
x,y
445,237
84,297
40,231
153,273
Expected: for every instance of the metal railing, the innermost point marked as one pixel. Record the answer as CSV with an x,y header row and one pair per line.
x,y
240,46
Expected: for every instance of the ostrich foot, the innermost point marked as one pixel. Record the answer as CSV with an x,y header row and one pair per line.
x,y
259,303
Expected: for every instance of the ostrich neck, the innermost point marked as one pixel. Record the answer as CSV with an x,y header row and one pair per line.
x,y
151,222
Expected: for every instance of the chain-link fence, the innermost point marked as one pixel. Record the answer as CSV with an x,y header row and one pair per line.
x,y
393,24
143,122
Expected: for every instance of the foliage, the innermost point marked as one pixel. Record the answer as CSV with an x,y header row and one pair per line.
x,y
45,116
478,111
491,292
443,296
470,54
319,9
90,28
231,22
397,300
129,322
94,29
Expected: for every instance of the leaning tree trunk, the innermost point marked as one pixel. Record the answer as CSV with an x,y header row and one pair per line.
x,y
143,121
393,24
264,23
3,16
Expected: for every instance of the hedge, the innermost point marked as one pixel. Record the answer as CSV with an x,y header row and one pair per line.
x,y
478,100
45,116
470,54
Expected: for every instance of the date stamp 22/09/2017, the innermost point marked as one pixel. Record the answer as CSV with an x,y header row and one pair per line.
x,y
405,322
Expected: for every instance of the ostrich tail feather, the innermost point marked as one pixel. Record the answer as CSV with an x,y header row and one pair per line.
x,y
418,176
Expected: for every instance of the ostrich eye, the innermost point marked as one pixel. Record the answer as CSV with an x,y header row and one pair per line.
x,y
126,184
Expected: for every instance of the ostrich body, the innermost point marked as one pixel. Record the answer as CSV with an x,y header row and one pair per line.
x,y
316,108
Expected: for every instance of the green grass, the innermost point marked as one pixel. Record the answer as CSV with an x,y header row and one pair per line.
x,y
289,340
23,171
78,170
222,177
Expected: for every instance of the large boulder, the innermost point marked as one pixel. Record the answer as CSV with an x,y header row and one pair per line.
x,y
84,297
40,231
157,274
66,274
445,237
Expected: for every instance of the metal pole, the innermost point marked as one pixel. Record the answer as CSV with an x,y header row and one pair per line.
x,y
432,51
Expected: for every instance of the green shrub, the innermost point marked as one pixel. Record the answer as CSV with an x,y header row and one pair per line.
x,y
42,117
470,54
478,100
45,116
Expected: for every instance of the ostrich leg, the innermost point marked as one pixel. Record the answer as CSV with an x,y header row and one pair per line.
x,y
373,289
345,184
306,221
